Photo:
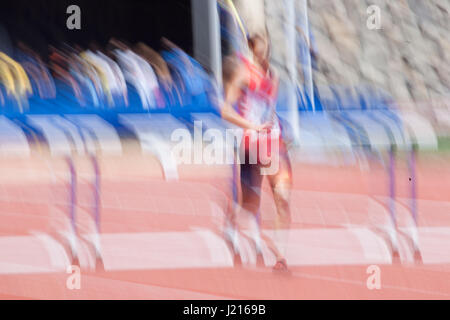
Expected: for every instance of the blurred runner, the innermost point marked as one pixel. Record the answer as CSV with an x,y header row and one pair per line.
x,y
250,89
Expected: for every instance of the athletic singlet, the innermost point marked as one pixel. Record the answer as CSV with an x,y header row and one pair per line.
x,y
257,101
257,104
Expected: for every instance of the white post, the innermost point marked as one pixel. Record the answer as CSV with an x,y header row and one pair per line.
x,y
206,31
303,22
292,67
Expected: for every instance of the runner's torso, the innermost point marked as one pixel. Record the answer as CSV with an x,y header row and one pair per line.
x,y
257,101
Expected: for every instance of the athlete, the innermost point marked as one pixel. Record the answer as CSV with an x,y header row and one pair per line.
x,y
250,92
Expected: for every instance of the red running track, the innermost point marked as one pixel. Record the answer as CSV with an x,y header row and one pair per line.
x,y
162,239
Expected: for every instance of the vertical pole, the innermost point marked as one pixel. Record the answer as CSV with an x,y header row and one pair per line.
x,y
96,192
392,185
306,53
413,183
414,235
292,67
73,194
206,32
393,231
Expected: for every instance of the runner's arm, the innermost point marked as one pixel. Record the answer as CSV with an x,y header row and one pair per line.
x,y
232,92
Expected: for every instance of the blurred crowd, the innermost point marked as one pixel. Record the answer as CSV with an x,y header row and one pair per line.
x,y
104,77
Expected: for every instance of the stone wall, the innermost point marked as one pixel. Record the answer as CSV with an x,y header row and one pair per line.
x,y
408,57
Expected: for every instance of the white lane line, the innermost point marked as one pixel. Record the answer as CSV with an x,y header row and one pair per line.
x,y
434,244
218,250
58,257
97,287
23,255
374,248
360,283
201,248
